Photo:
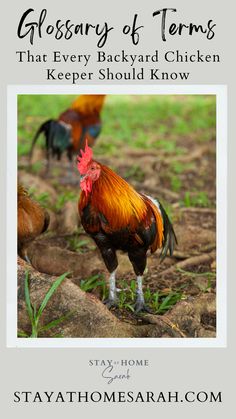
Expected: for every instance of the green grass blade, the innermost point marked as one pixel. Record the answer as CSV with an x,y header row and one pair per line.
x,y
82,243
169,302
91,283
22,334
130,307
55,323
34,312
27,298
49,294
164,304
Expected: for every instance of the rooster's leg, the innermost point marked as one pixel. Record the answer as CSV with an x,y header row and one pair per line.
x,y
108,253
112,299
138,258
112,283
140,303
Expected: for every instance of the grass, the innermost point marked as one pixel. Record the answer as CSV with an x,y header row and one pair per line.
x,y
77,245
166,145
137,121
176,183
158,302
168,209
178,167
35,313
93,282
32,111
63,198
197,199
135,172
210,276
36,167
23,148
169,125
161,115
44,199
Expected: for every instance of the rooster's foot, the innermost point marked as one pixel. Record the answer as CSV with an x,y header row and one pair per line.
x,y
111,302
141,306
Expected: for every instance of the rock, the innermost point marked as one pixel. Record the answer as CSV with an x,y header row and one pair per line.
x,y
69,220
40,186
187,237
53,224
56,261
89,318
201,282
213,265
189,315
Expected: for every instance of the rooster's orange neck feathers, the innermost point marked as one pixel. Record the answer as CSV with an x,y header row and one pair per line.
x,y
113,197
88,104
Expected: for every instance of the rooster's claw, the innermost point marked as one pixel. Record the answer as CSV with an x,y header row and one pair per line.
x,y
111,302
140,306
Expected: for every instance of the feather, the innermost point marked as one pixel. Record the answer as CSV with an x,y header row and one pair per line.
x,y
68,132
170,239
118,217
32,219
57,135
113,197
88,104
131,220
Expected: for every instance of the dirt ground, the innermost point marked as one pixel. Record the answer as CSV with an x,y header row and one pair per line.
x,y
188,276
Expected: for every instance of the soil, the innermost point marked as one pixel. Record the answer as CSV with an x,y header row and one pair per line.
x,y
191,272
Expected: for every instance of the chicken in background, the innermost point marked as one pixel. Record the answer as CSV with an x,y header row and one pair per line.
x,y
68,132
33,220
118,217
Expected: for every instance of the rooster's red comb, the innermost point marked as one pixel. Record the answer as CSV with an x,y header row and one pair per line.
x,y
85,159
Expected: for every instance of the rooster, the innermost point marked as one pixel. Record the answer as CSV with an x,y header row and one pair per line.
x,y
32,220
116,216
68,132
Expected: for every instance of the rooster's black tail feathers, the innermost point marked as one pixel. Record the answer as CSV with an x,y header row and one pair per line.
x,y
57,136
170,239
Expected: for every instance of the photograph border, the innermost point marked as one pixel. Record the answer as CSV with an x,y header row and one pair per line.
x,y
221,204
